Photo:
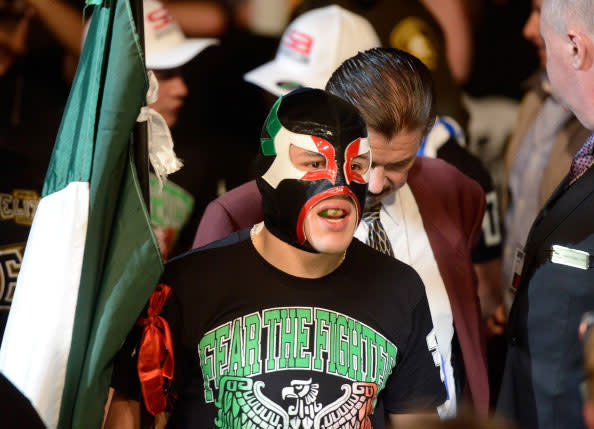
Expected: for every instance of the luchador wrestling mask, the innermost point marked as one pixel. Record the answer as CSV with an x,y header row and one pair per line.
x,y
318,141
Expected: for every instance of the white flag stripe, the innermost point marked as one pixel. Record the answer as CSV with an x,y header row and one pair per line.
x,y
38,333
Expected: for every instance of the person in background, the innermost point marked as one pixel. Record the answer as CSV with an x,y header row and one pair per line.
x,y
538,156
199,18
454,20
167,51
202,133
544,366
34,93
312,47
410,26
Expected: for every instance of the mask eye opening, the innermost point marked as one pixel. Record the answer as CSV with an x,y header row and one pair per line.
x,y
306,160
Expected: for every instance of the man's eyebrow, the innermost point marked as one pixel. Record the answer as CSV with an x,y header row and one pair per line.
x,y
310,154
398,163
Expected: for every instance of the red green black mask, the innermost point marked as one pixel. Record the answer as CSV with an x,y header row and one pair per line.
x,y
321,123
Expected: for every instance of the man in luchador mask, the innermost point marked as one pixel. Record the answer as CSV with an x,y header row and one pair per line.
x,y
281,325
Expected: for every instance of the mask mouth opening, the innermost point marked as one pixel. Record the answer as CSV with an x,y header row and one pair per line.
x,y
334,215
332,192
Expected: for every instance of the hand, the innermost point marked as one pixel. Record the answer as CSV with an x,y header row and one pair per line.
x,y
495,323
585,324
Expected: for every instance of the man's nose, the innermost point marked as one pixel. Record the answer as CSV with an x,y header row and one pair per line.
x,y
179,87
530,27
377,179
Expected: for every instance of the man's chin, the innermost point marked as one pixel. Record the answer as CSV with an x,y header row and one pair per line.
x,y
337,249
373,200
332,243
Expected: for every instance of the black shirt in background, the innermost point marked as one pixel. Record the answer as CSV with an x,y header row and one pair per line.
x,y
33,99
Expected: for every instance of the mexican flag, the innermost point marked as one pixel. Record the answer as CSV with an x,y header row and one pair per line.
x,y
91,260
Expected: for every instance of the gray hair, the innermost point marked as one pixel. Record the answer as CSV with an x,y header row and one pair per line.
x,y
560,12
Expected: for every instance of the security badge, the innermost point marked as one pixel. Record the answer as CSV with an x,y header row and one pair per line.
x,y
518,266
571,257
559,255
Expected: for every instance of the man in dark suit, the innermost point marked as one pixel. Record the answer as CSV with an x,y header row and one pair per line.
x,y
541,386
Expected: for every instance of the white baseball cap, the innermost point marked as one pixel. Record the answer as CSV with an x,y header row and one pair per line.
x,y
166,45
312,47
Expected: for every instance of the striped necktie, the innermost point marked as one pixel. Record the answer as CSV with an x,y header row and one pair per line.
x,y
582,160
376,236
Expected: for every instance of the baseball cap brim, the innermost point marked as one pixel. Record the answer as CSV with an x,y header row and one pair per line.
x,y
178,55
278,80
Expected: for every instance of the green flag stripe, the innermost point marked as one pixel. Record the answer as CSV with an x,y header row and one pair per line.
x,y
125,289
112,65
72,155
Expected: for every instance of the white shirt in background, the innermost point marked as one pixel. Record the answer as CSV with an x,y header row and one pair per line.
x,y
403,224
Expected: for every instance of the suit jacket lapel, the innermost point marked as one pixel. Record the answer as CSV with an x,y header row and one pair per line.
x,y
558,207
549,203
448,249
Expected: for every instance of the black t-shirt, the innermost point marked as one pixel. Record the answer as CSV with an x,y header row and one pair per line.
x,y
30,112
19,197
252,342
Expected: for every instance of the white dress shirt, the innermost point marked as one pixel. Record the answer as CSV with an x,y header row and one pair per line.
x,y
403,224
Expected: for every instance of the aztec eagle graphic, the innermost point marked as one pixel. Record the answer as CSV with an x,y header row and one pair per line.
x,y
242,404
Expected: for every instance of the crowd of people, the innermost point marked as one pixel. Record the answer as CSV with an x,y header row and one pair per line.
x,y
383,275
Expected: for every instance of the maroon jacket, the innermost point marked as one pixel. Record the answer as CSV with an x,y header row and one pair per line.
x,y
452,207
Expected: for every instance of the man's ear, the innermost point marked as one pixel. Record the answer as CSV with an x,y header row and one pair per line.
x,y
581,50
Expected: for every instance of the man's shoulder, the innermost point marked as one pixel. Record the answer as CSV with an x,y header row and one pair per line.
x,y
242,196
440,177
443,192
238,208
243,202
434,168
384,268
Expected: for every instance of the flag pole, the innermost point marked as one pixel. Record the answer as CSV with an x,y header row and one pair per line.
x,y
139,137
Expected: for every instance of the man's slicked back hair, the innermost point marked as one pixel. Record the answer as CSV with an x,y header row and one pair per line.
x,y
392,89
559,12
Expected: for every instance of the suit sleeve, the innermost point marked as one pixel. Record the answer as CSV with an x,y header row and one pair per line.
x,y
473,210
488,245
416,385
216,223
